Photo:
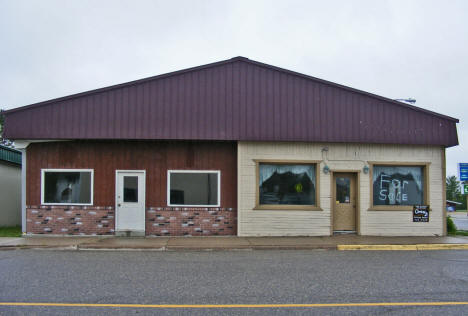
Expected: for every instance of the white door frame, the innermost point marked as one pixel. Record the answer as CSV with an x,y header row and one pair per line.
x,y
143,192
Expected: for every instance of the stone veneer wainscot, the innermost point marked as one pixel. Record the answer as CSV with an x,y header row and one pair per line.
x,y
188,221
70,220
160,221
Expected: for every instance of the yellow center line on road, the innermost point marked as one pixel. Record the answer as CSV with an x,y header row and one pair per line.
x,y
181,306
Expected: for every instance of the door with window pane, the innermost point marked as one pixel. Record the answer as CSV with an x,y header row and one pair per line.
x,y
344,204
130,201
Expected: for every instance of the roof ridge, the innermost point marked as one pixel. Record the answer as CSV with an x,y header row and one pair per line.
x,y
125,84
223,62
347,88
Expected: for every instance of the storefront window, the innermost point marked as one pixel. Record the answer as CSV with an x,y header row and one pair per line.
x,y
67,186
287,184
193,188
398,185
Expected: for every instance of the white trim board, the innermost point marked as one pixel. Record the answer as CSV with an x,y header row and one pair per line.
x,y
218,172
67,170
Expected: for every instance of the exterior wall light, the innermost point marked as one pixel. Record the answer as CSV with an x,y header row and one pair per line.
x,y
365,169
326,169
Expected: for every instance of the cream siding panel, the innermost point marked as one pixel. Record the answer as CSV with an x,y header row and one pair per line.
x,y
339,157
10,194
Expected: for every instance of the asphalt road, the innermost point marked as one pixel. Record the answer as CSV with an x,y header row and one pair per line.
x,y
236,277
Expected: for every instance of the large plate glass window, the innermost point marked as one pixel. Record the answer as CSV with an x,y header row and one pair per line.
x,y
398,185
287,184
194,188
67,187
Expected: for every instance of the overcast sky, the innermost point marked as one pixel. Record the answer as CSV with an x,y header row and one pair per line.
x,y
396,49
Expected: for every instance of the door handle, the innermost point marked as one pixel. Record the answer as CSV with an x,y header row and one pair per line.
x,y
119,205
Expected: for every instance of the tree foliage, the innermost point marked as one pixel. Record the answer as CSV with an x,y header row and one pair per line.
x,y
453,191
3,141
2,119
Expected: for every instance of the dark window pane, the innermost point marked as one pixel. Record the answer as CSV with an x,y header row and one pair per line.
x,y
287,184
343,190
398,185
193,188
130,189
67,187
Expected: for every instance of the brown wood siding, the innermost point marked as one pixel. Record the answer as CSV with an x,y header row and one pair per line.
x,y
156,157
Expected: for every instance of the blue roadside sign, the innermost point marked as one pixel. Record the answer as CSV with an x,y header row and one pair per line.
x,y
463,171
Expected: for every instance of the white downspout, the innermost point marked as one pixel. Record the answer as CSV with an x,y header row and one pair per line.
x,y
22,145
23,190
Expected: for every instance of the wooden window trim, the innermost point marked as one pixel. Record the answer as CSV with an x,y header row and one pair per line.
x,y
285,207
426,197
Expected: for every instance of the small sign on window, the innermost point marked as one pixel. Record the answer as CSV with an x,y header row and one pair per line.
x,y
421,213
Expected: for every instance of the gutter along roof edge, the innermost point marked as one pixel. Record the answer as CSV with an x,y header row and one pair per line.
x,y
110,139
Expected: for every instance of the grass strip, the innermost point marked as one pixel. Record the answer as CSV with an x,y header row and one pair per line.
x,y
10,231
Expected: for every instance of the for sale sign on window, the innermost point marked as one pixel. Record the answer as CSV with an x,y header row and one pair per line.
x,y
421,213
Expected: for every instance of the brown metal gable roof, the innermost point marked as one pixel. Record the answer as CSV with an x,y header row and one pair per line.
x,y
235,99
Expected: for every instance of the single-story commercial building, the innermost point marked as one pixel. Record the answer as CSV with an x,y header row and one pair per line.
x,y
236,147
10,187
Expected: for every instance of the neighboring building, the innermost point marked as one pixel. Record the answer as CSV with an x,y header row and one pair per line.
x,y
452,205
10,187
234,147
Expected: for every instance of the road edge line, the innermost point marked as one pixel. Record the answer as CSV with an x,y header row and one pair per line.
x,y
405,247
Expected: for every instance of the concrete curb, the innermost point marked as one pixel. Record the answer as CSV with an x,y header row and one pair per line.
x,y
405,247
250,248
38,247
168,248
382,247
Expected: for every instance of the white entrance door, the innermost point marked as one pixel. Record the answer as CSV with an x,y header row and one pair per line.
x,y
130,202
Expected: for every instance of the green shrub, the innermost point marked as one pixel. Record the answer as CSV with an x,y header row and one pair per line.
x,y
451,228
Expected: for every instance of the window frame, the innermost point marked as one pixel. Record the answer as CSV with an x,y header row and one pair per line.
x,y
287,207
43,171
168,196
425,171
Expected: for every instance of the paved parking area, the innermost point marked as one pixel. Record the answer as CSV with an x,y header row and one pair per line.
x,y
460,219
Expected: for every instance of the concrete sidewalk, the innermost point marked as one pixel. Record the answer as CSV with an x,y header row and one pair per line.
x,y
340,242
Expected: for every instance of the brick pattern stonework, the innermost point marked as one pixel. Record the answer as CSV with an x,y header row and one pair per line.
x,y
70,220
187,221
160,221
